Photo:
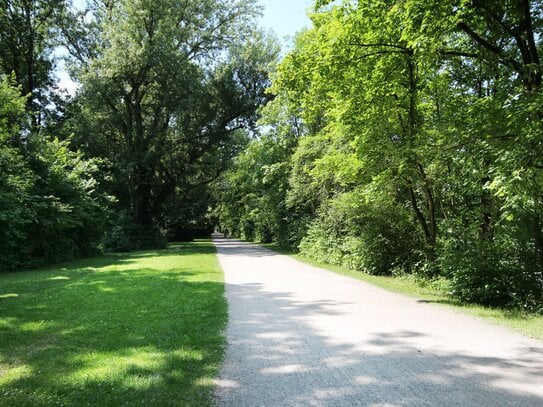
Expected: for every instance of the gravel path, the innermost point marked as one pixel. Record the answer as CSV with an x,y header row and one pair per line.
x,y
303,336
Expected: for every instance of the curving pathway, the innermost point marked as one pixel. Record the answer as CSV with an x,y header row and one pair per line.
x,y
302,336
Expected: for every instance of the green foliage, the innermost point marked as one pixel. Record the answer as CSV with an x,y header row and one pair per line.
x,y
52,208
119,232
168,92
418,146
29,31
70,209
165,98
357,232
397,136
499,271
252,195
16,179
145,329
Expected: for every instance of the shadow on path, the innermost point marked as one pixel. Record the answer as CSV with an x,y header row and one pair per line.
x,y
233,247
278,355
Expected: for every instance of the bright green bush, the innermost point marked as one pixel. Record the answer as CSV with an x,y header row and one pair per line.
x,y
70,210
16,179
51,207
374,237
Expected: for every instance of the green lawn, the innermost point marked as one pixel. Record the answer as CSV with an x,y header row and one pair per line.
x,y
143,329
525,323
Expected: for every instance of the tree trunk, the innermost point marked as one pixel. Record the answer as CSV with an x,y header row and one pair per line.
x,y
538,238
147,233
486,230
430,205
419,215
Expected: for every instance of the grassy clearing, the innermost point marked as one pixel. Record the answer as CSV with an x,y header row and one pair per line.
x,y
525,323
139,329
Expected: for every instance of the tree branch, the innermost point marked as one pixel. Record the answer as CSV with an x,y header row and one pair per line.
x,y
381,44
490,47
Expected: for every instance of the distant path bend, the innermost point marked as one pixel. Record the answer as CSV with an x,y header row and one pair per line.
x,y
302,336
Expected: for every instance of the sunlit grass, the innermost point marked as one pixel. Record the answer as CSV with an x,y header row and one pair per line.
x,y
523,322
120,330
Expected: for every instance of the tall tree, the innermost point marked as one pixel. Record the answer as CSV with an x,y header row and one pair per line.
x,y
420,143
172,96
28,34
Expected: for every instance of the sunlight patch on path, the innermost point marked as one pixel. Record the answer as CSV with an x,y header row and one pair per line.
x,y
299,335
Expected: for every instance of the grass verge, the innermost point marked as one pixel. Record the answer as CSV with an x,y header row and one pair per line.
x,y
528,324
138,329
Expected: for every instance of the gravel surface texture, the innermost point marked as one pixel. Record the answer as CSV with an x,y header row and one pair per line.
x,y
302,336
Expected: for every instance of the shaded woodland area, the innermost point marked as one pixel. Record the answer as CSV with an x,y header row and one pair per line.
x,y
396,137
168,93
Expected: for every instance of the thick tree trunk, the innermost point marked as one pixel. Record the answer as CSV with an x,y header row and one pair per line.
x,y
147,232
142,175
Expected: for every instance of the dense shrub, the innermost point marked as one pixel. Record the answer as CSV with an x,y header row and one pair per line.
x,y
499,271
51,207
374,237
16,179
70,210
124,235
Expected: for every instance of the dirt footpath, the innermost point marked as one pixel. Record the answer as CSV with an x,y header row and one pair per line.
x,y
303,336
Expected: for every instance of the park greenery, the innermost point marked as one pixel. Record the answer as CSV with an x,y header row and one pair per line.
x,y
168,94
405,138
395,138
136,329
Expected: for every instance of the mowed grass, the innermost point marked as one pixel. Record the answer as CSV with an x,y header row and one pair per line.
x,y
139,329
435,292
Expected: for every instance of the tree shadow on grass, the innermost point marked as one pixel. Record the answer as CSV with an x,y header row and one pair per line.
x,y
80,335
